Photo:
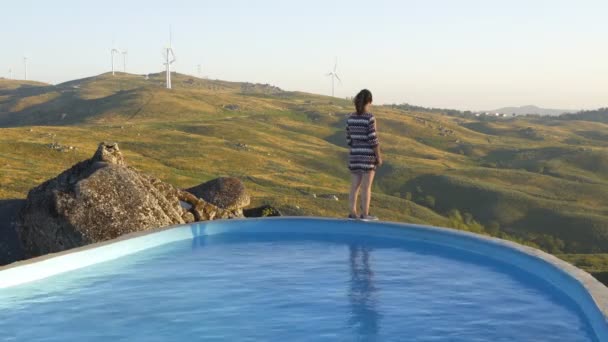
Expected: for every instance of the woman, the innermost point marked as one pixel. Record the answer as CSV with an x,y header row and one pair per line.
x,y
364,155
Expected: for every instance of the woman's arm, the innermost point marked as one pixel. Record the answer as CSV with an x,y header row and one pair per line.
x,y
372,136
378,155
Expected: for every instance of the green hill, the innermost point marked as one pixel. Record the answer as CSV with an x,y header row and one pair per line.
x,y
541,181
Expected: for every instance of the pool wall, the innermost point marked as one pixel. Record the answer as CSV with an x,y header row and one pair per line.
x,y
588,293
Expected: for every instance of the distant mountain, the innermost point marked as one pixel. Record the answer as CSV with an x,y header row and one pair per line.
x,y
524,110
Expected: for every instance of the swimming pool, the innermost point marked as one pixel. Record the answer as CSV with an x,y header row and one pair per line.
x,y
301,279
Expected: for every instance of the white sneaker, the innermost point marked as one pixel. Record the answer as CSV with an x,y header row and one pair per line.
x,y
369,218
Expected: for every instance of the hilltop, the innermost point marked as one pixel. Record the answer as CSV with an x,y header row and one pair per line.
x,y
540,181
106,98
6,83
530,110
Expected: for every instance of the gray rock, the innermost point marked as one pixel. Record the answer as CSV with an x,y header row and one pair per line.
x,y
225,192
100,199
232,107
10,247
263,211
329,197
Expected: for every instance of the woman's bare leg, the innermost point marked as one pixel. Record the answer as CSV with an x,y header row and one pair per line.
x,y
366,191
354,192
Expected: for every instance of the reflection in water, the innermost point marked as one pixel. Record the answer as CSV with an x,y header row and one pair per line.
x,y
364,317
198,237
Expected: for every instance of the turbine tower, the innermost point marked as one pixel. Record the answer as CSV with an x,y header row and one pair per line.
x,y
10,73
25,68
200,70
113,52
169,59
334,75
124,60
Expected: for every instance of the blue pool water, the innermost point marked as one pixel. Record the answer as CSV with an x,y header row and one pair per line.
x,y
292,287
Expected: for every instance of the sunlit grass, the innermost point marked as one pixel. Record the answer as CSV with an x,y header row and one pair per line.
x,y
541,182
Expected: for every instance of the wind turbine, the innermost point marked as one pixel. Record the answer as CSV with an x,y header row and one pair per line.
x,y
10,73
334,75
25,68
124,60
112,53
200,70
169,59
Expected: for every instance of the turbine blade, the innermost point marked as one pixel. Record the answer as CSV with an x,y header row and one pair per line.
x,y
339,80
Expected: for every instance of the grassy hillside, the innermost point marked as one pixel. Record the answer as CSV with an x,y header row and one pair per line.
x,y
541,181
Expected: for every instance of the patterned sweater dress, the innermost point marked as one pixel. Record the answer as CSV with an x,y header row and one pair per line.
x,y
361,137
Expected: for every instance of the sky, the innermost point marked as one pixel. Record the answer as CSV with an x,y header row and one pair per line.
x,y
462,54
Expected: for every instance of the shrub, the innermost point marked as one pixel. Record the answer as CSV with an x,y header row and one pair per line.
x,y
429,201
493,228
408,196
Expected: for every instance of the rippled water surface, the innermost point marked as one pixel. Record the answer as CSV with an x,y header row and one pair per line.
x,y
291,288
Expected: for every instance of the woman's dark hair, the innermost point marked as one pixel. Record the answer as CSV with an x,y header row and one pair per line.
x,y
362,99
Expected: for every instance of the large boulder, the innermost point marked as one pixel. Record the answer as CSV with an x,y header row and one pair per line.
x,y
100,199
10,247
225,192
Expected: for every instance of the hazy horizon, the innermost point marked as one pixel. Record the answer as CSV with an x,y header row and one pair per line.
x,y
476,55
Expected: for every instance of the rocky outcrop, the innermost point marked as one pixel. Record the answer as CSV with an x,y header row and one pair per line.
x,y
225,192
263,211
100,199
10,247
